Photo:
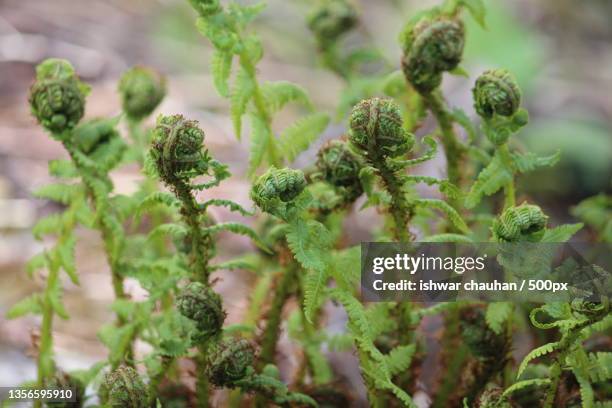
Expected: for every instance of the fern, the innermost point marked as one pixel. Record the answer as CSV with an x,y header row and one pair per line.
x,y
497,314
298,137
536,353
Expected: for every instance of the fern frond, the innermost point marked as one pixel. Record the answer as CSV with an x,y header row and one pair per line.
x,y
399,359
261,140
65,255
221,68
242,92
278,94
489,181
239,229
443,206
600,366
448,238
61,193
157,198
232,206
497,314
297,137
562,233
521,385
29,305
175,231
51,224
535,353
530,161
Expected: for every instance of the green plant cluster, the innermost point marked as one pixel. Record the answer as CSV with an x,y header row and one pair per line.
x,y
165,237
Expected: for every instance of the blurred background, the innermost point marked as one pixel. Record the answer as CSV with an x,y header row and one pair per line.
x,y
559,50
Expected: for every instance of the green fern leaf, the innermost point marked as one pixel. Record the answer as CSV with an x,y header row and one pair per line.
x,y
221,68
600,366
530,161
157,198
36,263
399,359
176,231
261,143
298,137
562,233
497,314
489,181
51,224
63,169
448,238
477,10
278,94
242,92
534,382
62,193
29,305
65,253
535,353
309,242
450,212
314,284
227,203
240,229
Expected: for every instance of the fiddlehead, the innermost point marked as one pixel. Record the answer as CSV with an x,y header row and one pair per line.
x,y
496,93
141,90
123,388
177,150
331,19
431,47
204,306
230,362
340,167
275,190
519,224
57,97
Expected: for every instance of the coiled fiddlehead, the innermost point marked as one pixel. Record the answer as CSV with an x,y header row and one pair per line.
x,y
123,388
340,168
177,150
331,19
376,128
202,305
523,223
276,188
141,89
230,362
496,93
497,98
57,97
431,47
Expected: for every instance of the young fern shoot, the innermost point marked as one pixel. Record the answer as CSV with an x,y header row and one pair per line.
x,y
376,131
226,28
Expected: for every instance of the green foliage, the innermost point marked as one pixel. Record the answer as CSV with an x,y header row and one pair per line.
x,y
168,241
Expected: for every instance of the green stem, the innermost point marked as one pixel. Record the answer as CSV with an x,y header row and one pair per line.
x,y
45,348
202,386
271,334
509,190
453,149
201,250
106,221
260,105
400,208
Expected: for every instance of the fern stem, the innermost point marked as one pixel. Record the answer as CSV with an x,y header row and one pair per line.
x,y
106,219
270,336
202,386
260,105
200,242
453,149
45,348
509,190
401,210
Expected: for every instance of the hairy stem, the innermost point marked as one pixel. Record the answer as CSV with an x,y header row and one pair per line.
x,y
509,190
453,149
401,210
